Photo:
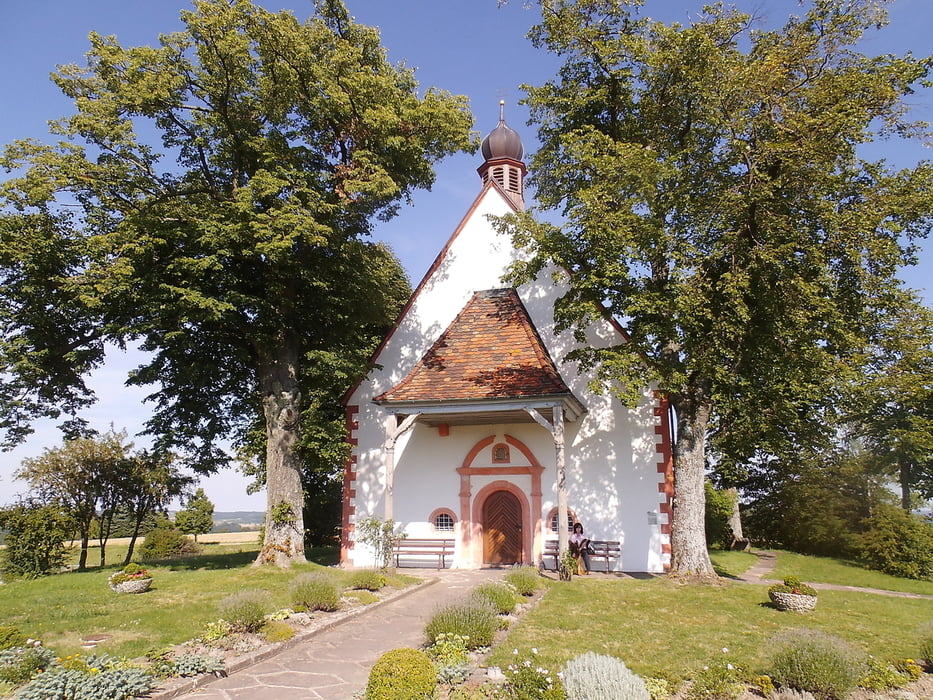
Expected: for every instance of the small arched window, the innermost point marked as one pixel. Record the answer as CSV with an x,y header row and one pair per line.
x,y
552,520
443,520
500,453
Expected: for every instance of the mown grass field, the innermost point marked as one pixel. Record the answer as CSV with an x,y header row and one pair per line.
x,y
662,628
63,609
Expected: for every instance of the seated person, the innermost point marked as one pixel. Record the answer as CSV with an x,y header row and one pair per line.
x,y
579,546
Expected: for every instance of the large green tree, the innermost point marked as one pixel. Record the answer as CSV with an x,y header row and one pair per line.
x,y
892,404
210,199
703,184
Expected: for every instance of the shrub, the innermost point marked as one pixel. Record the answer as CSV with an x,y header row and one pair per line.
x,y
20,663
719,506
526,679
165,542
107,684
925,642
367,580
277,631
314,591
897,543
882,675
793,584
165,664
474,619
593,676
402,674
526,580
500,594
245,610
449,654
819,663
719,680
658,688
10,636
382,536
35,539
216,632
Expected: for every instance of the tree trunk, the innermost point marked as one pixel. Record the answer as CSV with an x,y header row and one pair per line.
x,y
689,557
284,536
133,537
739,542
904,474
82,557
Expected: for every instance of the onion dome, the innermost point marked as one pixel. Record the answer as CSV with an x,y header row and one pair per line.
x,y
503,141
502,153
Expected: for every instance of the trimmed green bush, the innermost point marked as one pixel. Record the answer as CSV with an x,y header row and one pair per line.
x,y
367,580
274,631
474,618
245,610
314,591
526,580
501,595
593,676
167,542
402,674
810,660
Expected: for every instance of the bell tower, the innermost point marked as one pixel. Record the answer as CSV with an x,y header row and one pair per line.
x,y
502,150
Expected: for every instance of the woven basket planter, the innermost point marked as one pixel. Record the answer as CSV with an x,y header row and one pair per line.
x,y
136,585
797,602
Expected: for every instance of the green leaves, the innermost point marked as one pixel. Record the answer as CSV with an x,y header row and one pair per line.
x,y
209,198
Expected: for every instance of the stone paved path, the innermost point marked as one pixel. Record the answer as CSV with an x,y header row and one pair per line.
x,y
334,664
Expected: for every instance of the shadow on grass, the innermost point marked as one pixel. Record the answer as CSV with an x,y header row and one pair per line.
x,y
723,572
325,556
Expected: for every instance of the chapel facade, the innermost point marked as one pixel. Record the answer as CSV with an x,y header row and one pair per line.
x,y
471,426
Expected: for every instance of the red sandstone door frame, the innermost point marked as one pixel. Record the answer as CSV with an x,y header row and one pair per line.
x,y
471,508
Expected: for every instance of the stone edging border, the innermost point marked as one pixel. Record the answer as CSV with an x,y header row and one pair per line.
x,y
186,685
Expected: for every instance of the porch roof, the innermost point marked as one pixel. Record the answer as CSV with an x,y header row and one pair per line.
x,y
488,366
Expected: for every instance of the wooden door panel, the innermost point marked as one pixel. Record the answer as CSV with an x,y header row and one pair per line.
x,y
502,529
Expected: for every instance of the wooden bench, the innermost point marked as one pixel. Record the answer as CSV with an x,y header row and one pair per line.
x,y
418,548
602,549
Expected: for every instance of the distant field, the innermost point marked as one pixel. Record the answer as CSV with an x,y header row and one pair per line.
x,y
209,538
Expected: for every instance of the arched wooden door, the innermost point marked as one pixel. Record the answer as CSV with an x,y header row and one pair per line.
x,y
502,529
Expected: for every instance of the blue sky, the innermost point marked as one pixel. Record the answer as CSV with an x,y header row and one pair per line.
x,y
468,47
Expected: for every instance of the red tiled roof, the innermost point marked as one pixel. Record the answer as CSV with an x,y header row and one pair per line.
x,y
490,351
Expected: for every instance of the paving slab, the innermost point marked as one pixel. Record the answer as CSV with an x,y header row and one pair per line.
x,y
334,664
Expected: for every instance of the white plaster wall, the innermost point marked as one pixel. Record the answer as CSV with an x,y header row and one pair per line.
x,y
611,456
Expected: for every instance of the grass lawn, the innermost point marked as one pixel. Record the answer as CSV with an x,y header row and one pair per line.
x,y
62,609
731,564
827,570
661,628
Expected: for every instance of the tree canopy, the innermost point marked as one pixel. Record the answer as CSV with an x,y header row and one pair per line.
x,y
210,199
708,191
197,517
